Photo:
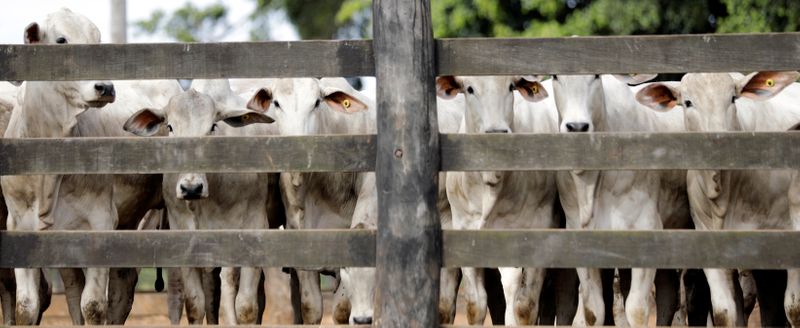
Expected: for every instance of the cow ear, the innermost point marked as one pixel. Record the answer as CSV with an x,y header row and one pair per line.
x,y
261,100
33,34
634,79
341,101
237,117
530,90
765,85
447,87
658,96
145,122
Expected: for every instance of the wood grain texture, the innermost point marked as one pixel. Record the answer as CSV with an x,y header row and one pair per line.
x,y
210,154
336,248
267,248
620,54
409,245
622,249
186,60
618,151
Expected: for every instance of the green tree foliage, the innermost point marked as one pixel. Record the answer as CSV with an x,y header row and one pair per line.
x,y
326,19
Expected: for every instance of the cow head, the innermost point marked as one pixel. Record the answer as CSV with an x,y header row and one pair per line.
x,y
580,100
709,99
191,114
298,104
489,99
67,27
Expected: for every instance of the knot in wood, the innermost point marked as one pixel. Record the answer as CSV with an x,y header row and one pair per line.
x,y
398,153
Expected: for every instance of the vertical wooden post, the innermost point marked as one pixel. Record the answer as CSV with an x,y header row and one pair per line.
x,y
409,242
119,21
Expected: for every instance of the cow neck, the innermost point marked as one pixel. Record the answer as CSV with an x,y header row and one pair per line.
x,y
45,112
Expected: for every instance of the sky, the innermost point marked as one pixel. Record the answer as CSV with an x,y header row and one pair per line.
x,y
15,20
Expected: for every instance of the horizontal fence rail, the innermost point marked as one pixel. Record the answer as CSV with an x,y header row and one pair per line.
x,y
355,153
186,60
336,248
484,56
621,151
349,153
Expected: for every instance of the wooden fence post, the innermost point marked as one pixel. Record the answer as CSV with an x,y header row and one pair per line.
x,y
409,242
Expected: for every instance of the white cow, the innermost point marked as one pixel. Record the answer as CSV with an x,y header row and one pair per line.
x,y
322,200
205,201
481,200
619,200
51,109
738,199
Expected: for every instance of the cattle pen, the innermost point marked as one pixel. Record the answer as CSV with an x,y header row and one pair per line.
x,y
409,247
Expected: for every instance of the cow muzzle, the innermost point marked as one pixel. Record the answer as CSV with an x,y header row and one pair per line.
x,y
105,94
192,187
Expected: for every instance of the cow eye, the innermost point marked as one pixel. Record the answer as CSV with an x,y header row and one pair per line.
x,y
213,127
511,88
733,99
555,77
316,104
597,76
276,104
169,127
687,103
470,90
61,40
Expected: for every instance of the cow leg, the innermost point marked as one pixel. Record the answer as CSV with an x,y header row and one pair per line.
x,y
94,302
211,292
341,304
193,293
526,304
723,301
566,291
121,289
175,297
262,296
512,281
310,297
749,292
771,285
73,280
448,292
229,278
791,299
475,295
667,295
8,296
637,305
247,298
28,303
591,307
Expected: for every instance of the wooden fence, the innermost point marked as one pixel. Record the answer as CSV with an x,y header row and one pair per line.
x,y
409,247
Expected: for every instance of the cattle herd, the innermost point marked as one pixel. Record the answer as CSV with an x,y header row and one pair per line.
x,y
616,200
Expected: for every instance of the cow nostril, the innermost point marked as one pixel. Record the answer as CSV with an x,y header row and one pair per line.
x,y
105,89
497,131
363,320
577,127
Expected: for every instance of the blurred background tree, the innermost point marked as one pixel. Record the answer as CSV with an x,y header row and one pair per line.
x,y
334,19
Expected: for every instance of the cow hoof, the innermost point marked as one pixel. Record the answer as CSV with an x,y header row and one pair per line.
x,y
246,314
94,312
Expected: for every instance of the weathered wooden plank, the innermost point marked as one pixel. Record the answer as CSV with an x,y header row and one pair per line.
x,y
620,54
622,249
335,248
186,60
211,154
616,151
409,244
268,248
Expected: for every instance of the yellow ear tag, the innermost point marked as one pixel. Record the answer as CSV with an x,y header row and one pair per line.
x,y
770,82
245,117
535,89
346,103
